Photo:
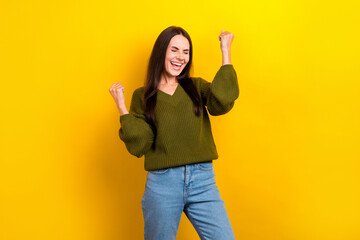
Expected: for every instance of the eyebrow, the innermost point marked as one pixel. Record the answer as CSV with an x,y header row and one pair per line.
x,y
178,48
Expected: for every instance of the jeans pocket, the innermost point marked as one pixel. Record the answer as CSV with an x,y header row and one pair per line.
x,y
205,166
160,171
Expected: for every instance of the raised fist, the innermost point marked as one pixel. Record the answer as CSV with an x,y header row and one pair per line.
x,y
117,91
225,39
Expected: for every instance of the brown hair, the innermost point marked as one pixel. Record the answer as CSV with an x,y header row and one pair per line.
x,y
156,68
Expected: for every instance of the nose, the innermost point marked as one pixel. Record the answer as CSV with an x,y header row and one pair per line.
x,y
180,56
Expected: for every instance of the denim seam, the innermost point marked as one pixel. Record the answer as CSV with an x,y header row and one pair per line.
x,y
202,168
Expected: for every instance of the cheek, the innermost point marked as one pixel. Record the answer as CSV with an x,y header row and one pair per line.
x,y
170,55
167,56
167,60
187,58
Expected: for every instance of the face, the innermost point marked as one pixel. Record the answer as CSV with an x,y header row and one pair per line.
x,y
177,55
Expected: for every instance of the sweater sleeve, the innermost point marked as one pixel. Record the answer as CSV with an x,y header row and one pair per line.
x,y
135,132
220,95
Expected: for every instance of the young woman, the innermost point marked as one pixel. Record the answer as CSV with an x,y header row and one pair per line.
x,y
169,124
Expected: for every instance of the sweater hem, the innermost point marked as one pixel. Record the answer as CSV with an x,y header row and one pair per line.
x,y
153,166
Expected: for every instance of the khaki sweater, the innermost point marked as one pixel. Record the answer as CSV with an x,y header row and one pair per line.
x,y
181,136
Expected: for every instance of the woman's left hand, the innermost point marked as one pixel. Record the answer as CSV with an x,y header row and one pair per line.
x,y
225,39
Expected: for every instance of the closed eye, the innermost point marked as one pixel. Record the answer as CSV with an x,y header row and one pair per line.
x,y
174,49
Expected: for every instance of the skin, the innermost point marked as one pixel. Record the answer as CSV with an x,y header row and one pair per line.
x,y
176,52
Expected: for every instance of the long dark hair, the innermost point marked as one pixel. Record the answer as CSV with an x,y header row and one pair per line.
x,y
156,68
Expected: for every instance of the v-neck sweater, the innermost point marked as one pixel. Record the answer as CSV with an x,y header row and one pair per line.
x,y
180,136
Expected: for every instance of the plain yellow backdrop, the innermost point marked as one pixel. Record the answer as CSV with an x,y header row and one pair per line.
x,y
289,149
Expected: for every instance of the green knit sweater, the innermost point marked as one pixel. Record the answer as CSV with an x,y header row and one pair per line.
x,y
181,137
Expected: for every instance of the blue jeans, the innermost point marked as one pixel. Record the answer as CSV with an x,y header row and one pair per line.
x,y
190,189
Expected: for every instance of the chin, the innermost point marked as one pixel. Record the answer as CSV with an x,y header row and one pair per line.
x,y
175,73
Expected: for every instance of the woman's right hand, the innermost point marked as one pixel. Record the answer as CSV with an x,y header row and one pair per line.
x,y
117,91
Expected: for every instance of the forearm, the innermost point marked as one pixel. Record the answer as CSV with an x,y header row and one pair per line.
x,y
122,109
226,39
226,56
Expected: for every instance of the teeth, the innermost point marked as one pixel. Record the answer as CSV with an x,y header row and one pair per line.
x,y
177,64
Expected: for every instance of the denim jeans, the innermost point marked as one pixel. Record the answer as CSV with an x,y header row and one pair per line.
x,y
190,189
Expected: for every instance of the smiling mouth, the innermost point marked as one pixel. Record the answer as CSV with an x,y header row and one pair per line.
x,y
176,64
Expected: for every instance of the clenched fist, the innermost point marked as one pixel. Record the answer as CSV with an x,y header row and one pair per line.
x,y
117,91
225,39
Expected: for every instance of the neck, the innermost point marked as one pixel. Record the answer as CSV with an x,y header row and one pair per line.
x,y
168,80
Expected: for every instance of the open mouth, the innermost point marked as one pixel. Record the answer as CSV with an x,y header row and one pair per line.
x,y
176,66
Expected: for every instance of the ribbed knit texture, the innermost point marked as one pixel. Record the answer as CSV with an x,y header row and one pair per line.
x,y
181,137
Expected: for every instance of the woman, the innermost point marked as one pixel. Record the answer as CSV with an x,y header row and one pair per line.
x,y
169,124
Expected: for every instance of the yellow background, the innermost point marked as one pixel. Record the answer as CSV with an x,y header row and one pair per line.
x,y
289,149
